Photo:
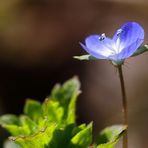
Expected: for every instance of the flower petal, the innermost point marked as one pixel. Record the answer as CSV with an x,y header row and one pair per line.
x,y
127,35
128,51
93,53
99,48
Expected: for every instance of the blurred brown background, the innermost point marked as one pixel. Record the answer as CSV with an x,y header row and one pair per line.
x,y
38,39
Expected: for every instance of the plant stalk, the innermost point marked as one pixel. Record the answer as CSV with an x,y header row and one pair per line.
x,y
124,106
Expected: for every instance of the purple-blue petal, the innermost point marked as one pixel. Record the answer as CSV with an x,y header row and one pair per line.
x,y
129,33
92,52
98,48
126,52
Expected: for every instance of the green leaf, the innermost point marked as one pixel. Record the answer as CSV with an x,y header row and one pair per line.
x,y
25,127
36,140
53,123
29,125
9,119
85,57
110,136
53,111
63,94
60,106
79,128
141,50
61,137
48,123
33,109
16,130
11,123
82,139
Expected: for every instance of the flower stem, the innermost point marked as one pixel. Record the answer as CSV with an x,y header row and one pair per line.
x,y
124,106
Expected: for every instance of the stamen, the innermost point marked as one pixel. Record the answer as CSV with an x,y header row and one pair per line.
x,y
102,37
119,31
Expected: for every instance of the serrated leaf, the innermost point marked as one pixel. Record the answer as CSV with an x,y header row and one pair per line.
x,y
33,109
79,128
37,140
71,117
82,139
50,122
11,123
110,136
85,57
9,119
61,137
67,95
64,93
25,127
140,50
15,130
60,106
29,125
53,111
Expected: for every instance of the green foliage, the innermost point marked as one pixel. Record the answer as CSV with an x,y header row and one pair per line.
x,y
52,124
110,136
33,109
82,139
85,57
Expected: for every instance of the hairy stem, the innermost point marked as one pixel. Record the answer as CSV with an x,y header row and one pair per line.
x,y
124,106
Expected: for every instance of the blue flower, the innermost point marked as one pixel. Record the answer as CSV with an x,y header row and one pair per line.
x,y
123,44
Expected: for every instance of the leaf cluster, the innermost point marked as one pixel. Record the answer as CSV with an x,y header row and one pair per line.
x,y
52,124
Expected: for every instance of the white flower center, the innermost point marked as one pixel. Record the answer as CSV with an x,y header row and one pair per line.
x,y
110,46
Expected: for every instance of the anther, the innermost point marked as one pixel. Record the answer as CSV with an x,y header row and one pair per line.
x,y
102,37
119,31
